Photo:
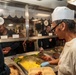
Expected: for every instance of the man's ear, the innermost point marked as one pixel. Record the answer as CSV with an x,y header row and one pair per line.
x,y
63,26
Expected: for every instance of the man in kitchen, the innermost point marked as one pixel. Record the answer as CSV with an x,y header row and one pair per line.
x,y
4,70
8,48
64,27
47,43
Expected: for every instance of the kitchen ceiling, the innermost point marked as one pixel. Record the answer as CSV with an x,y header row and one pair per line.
x,y
39,4
45,3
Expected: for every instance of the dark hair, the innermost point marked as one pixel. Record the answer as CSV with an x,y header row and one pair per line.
x,y
70,24
48,25
31,30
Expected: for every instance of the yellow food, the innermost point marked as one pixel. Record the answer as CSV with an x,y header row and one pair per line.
x,y
29,65
20,57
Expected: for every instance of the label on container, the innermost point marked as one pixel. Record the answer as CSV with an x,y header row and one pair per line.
x,y
4,37
39,34
15,36
50,34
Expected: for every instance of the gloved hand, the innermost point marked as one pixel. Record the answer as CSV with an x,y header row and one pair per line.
x,y
44,64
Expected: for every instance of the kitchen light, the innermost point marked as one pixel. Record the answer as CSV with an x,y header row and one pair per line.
x,y
26,12
5,4
1,10
39,0
10,25
5,0
43,15
35,20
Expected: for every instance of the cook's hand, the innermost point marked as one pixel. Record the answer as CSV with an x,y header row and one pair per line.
x,y
46,58
41,49
50,40
6,50
44,64
24,43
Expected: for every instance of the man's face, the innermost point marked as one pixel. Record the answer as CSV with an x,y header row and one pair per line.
x,y
58,30
2,28
48,28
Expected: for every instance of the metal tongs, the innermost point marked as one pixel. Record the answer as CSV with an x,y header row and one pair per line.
x,y
23,69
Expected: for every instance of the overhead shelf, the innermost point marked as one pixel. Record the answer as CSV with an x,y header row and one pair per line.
x,y
22,39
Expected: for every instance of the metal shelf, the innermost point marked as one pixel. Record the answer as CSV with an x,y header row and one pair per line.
x,y
22,39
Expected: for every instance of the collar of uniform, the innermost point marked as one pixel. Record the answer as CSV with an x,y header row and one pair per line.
x,y
70,42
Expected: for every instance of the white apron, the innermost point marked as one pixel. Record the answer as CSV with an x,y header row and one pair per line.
x,y
67,62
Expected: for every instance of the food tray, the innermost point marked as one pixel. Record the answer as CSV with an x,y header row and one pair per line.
x,y
30,61
41,71
8,62
32,56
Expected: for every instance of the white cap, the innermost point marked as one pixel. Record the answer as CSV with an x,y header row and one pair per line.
x,y
1,21
60,13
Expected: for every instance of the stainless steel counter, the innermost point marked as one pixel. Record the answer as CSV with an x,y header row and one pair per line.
x,y
22,39
8,60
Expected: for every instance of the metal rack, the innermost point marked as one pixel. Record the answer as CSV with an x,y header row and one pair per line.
x,y
22,39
